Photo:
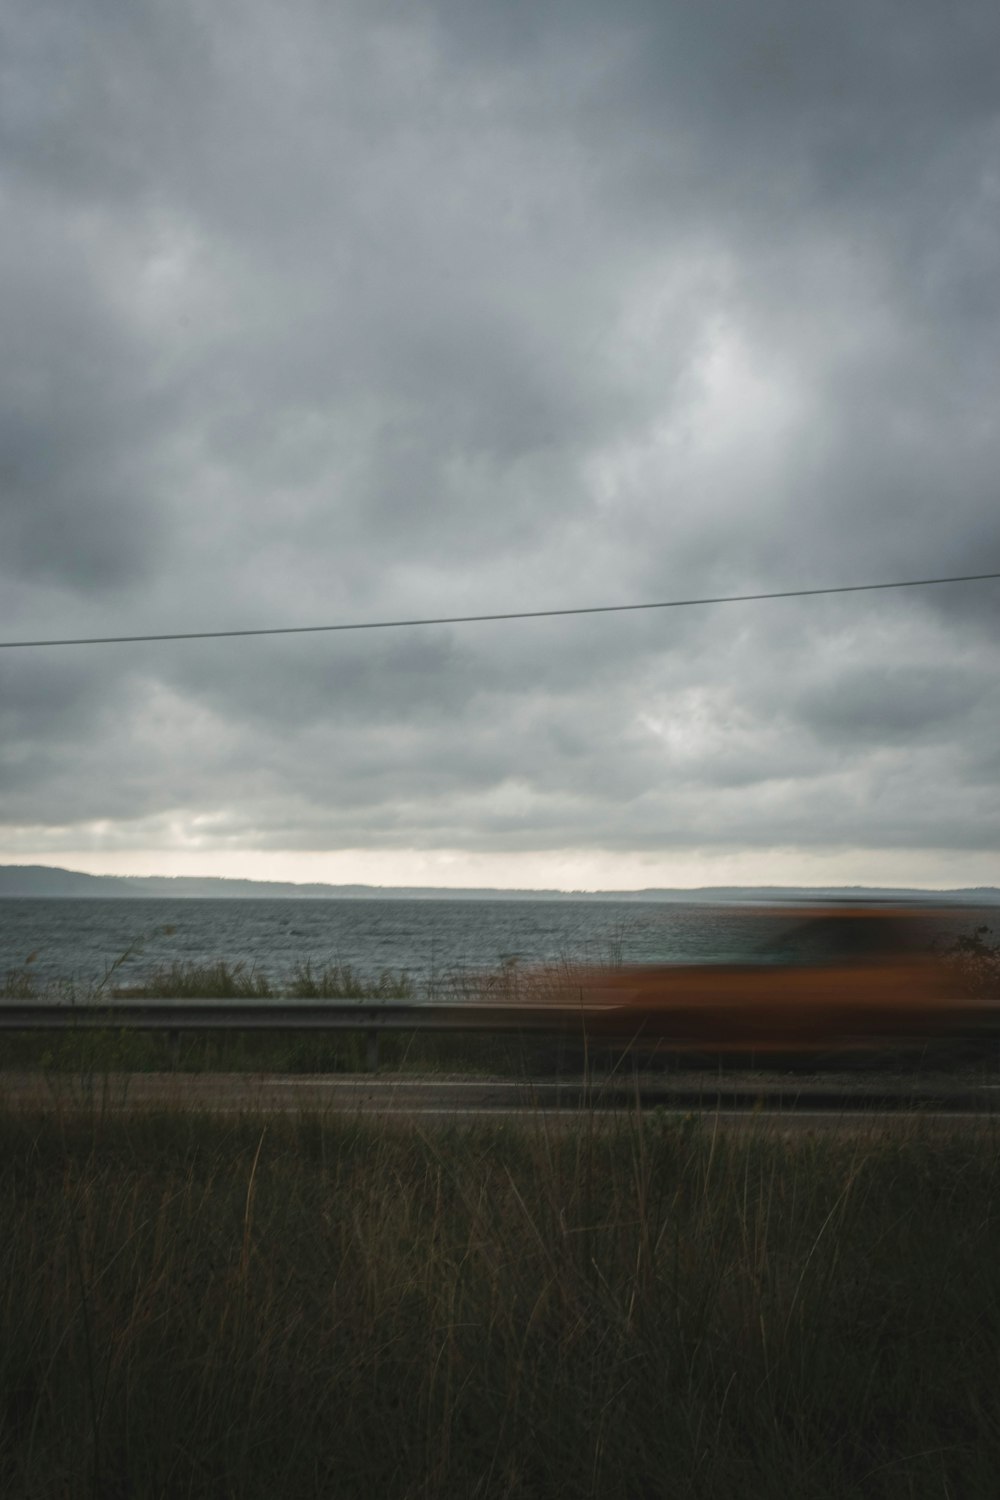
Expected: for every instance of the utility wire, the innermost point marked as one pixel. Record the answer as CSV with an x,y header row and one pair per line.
x,y
521,614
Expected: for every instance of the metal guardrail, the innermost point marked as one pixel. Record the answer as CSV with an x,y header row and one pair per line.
x,y
688,1027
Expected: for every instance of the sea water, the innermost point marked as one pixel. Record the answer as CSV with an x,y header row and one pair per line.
x,y
85,941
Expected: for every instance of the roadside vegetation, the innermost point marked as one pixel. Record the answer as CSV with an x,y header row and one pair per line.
x,y
310,1307
975,959
217,980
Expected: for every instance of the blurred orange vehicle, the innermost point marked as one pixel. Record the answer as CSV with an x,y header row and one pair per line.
x,y
839,979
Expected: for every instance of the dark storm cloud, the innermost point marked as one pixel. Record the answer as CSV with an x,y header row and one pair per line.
x,y
78,414
893,705
315,313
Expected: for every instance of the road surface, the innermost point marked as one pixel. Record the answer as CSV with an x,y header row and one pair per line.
x,y
866,1103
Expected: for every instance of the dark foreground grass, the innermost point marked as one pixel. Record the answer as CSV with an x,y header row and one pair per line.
x,y
199,1307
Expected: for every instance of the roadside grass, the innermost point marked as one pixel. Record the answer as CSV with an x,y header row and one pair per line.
x,y
324,1307
218,979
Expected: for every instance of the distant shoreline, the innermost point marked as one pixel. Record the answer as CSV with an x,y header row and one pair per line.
x,y
51,883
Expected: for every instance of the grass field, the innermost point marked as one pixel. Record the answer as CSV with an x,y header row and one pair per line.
x,y
267,1307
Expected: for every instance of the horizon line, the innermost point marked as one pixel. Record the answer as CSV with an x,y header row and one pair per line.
x,y
458,890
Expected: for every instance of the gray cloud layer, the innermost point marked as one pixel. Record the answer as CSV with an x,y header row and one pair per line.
x,y
316,312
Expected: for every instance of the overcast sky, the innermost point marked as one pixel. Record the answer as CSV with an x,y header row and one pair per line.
x,y
325,311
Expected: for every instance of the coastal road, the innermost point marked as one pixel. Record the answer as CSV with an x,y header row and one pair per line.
x,y
739,1101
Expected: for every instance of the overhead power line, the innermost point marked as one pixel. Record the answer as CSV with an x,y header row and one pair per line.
x,y
519,614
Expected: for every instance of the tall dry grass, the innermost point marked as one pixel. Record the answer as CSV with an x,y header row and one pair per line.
x,y
262,1307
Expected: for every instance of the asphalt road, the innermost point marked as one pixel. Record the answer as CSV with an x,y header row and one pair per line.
x,y
736,1102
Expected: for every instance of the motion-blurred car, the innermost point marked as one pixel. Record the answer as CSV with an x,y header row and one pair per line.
x,y
840,979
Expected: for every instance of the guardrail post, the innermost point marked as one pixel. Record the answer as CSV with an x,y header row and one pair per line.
x,y
174,1043
371,1051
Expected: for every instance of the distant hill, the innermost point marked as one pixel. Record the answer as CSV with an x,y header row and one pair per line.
x,y
45,881
40,880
